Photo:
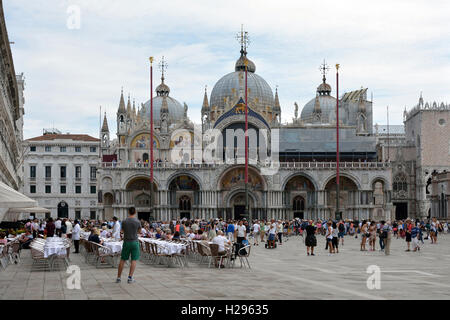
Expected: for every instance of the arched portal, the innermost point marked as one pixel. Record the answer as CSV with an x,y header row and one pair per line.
x,y
348,193
232,187
183,196
63,210
237,204
300,196
138,195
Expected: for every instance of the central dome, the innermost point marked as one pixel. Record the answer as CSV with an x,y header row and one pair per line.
x,y
232,86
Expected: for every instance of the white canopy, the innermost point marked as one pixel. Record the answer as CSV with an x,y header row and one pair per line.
x,y
10,198
29,210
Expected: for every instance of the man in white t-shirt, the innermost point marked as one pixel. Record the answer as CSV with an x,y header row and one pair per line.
x,y
58,227
69,229
221,241
240,232
256,230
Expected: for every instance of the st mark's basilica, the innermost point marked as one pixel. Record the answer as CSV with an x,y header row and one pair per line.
x,y
301,184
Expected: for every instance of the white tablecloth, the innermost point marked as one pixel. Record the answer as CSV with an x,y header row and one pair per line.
x,y
54,245
166,247
114,246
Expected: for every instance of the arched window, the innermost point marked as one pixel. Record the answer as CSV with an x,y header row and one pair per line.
x,y
400,183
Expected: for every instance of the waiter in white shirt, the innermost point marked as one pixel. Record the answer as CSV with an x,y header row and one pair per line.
x,y
76,236
116,229
58,227
240,232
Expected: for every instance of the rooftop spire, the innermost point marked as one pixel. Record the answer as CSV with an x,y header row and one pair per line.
x,y
162,89
277,100
105,124
129,104
244,41
122,102
324,88
205,105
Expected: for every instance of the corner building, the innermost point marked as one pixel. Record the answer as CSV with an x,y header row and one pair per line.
x,y
185,186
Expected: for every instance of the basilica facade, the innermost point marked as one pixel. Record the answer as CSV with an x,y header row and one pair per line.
x,y
199,169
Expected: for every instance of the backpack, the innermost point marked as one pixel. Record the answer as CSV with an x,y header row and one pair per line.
x,y
341,228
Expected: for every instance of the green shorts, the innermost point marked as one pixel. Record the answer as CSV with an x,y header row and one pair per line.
x,y
130,248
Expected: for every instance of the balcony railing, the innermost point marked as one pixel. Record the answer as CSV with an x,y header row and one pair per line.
x,y
283,165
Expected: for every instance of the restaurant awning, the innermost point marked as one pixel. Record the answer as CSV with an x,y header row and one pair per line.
x,y
29,210
15,214
10,198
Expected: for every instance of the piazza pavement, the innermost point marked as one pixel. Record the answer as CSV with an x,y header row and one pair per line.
x,y
282,273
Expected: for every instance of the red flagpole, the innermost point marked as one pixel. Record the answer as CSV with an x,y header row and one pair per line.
x,y
151,131
337,141
246,143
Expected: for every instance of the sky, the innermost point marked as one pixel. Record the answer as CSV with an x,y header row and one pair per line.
x,y
396,49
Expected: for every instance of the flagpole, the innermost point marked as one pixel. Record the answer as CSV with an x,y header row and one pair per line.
x,y
247,213
151,136
337,213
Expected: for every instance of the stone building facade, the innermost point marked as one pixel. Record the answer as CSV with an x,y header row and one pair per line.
x,y
418,151
440,195
60,173
199,170
11,113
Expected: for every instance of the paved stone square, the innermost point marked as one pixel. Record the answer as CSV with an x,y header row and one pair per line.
x,y
282,273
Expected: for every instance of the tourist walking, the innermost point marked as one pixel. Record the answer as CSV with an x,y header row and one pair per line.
x,y
130,227
329,237
372,235
256,229
408,230
58,227
335,240
364,235
341,232
280,232
310,240
69,229
241,232
387,229
230,231
50,227
415,236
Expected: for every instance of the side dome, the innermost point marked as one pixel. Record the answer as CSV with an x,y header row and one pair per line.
x,y
176,110
327,106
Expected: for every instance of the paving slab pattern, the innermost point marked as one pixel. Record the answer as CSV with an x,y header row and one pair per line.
x,y
282,273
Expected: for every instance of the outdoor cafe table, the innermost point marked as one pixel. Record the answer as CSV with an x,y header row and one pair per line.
x,y
54,246
165,246
114,246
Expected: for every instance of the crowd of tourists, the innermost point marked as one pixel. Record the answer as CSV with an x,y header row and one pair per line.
x,y
374,235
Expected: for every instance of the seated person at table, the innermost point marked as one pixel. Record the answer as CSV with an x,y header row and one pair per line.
x,y
199,235
159,233
3,239
95,236
104,233
176,236
169,235
222,241
191,235
25,240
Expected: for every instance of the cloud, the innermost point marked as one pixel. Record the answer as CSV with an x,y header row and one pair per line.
x,y
396,49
